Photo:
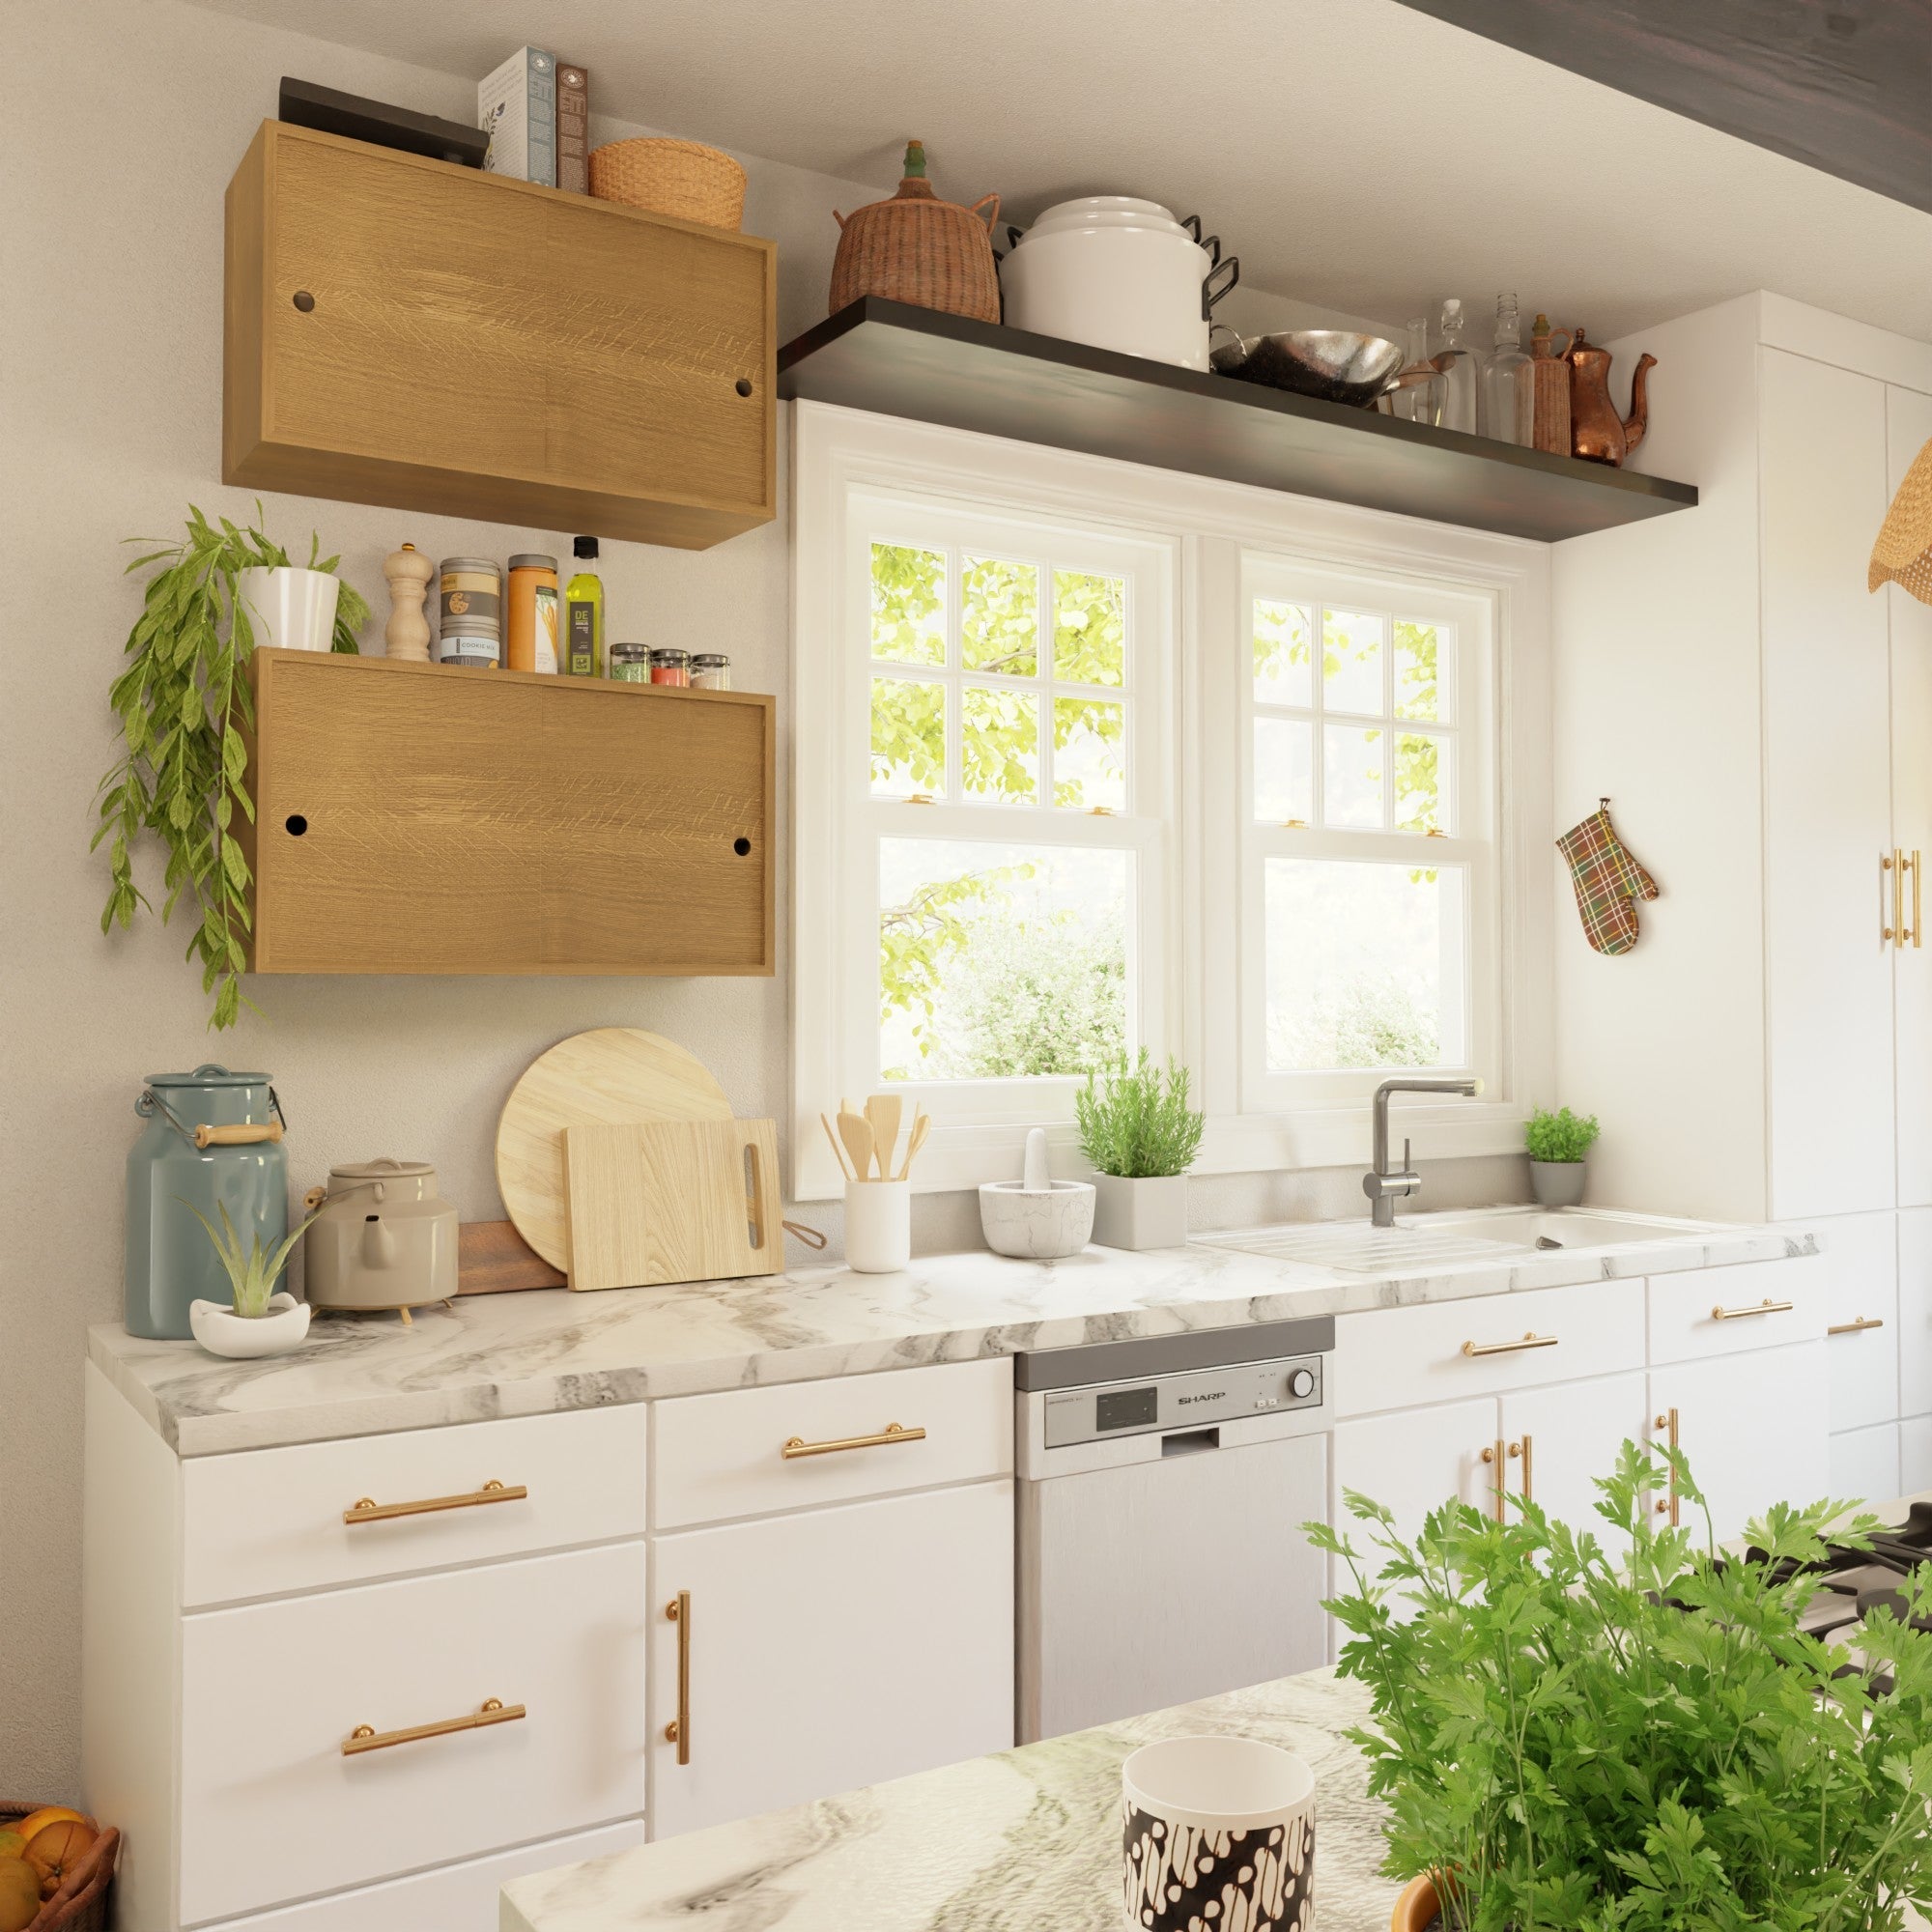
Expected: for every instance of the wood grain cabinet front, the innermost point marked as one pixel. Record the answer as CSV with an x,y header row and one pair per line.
x,y
419,818
405,331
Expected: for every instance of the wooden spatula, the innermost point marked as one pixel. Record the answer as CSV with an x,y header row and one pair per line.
x,y
920,1126
882,1116
857,1134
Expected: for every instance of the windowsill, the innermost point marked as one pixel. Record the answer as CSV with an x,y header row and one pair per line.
x,y
955,1158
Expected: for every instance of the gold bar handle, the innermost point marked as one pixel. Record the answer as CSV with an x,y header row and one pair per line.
x,y
1668,1420
1765,1307
491,1711
1887,865
491,1491
797,1446
1531,1340
1493,1457
1858,1325
1916,931
1523,1449
678,1731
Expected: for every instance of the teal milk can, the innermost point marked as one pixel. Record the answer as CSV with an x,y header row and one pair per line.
x,y
214,1139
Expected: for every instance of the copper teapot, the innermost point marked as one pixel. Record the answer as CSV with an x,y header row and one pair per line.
x,y
1597,432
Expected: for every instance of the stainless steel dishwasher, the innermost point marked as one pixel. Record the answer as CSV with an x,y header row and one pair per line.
x,y
1163,1484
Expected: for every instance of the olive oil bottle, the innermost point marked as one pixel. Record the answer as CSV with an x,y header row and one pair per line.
x,y
583,616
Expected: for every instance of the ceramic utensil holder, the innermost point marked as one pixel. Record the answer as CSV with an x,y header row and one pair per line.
x,y
878,1225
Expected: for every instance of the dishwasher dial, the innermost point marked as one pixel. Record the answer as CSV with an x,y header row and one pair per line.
x,y
1301,1384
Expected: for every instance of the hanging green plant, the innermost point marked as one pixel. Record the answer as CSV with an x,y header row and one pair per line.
x,y
182,702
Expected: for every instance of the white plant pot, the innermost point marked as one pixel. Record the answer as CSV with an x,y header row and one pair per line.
x,y
243,1338
292,608
878,1225
1040,1224
1557,1183
1141,1213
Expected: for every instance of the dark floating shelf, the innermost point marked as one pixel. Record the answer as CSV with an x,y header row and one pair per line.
x,y
904,362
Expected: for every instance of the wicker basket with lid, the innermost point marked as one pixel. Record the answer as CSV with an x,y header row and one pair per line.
x,y
916,248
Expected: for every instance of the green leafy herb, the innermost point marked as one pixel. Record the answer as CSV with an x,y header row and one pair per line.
x,y
1559,1136
183,704
1137,1122
253,1271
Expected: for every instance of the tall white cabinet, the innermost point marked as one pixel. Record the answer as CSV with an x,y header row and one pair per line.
x,y
1763,727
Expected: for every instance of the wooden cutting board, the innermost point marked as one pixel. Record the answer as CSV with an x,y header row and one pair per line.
x,y
677,1201
609,1077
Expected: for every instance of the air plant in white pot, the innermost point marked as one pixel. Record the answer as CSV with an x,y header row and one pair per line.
x,y
262,1322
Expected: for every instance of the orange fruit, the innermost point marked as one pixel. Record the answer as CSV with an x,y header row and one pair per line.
x,y
20,1894
54,1850
11,1844
48,1814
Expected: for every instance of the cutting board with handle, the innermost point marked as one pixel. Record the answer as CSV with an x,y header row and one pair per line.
x,y
671,1200
610,1075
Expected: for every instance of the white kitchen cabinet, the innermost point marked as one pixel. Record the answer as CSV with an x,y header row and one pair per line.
x,y
1908,429
830,1648
1560,1441
1914,1312
1915,1455
1411,1462
1859,1269
1753,1426
1865,1465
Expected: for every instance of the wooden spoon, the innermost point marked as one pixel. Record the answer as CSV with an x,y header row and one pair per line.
x,y
882,1115
922,1125
857,1134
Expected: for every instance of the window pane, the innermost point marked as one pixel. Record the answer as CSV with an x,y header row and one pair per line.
x,y
1364,965
1425,790
908,604
1351,662
998,960
908,737
1425,672
999,746
1089,628
1284,669
1090,754
999,617
1352,776
1284,770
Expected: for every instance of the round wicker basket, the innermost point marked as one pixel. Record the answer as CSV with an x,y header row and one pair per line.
x,y
1903,551
80,1905
681,178
916,248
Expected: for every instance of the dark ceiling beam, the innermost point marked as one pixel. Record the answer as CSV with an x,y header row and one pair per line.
x,y
1841,85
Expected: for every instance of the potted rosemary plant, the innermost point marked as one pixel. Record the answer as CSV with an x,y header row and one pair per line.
x,y
1557,1145
1142,1136
1576,1743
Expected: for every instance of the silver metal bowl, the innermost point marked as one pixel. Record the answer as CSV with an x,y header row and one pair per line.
x,y
1334,364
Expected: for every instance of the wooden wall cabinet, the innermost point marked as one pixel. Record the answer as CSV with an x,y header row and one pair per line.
x,y
405,331
418,818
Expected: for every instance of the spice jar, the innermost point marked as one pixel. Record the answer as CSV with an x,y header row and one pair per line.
x,y
531,641
710,670
630,663
670,667
470,627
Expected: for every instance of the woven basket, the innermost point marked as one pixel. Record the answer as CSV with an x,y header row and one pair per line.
x,y
80,1905
1903,551
681,178
916,248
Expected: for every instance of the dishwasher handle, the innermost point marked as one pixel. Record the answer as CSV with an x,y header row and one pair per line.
x,y
1190,1441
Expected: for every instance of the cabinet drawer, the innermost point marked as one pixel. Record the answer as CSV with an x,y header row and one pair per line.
x,y
1860,1272
269,1522
1686,1324
721,1455
1396,1357
271,1808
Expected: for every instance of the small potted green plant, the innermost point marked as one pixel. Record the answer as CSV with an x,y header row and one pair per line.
x,y
1577,1744
261,1322
1557,1144
1142,1136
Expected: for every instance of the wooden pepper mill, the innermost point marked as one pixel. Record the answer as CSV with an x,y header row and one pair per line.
x,y
407,573
1550,388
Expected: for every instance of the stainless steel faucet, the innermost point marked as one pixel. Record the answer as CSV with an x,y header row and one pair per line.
x,y
1379,1183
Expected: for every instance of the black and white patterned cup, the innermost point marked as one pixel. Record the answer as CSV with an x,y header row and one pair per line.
x,y
1218,1835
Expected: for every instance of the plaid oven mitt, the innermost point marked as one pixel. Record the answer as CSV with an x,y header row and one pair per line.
x,y
1609,881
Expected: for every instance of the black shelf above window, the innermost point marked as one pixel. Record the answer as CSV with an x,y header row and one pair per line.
x,y
904,362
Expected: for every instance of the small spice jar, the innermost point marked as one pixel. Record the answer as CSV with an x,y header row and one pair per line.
x,y
710,670
630,663
670,667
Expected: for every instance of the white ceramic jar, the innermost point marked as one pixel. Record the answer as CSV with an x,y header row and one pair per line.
x,y
1117,273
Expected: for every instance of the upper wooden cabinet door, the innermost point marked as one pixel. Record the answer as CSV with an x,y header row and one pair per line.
x,y
408,332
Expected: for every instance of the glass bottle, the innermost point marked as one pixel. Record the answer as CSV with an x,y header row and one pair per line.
x,y
1419,389
583,616
1458,365
1508,399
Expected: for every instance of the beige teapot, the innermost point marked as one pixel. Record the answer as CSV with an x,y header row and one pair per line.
x,y
382,1237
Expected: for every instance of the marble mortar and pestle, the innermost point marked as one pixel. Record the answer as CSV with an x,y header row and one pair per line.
x,y
1035,1218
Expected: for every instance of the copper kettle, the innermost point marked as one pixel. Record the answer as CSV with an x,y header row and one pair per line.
x,y
1597,432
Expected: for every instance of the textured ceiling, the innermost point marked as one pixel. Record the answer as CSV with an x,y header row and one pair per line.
x,y
1354,153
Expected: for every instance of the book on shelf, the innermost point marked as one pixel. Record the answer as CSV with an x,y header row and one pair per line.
x,y
516,106
573,127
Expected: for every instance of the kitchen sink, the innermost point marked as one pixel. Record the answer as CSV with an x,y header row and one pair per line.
x,y
1468,1239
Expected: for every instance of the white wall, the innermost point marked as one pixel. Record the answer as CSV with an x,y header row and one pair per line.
x,y
111,340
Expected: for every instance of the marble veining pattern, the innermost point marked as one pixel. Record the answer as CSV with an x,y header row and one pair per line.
x,y
551,1350
1021,1841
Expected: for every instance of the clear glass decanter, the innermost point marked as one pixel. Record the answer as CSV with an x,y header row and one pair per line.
x,y
1419,390
1508,399
1458,365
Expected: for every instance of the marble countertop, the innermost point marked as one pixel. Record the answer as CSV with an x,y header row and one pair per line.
x,y
1025,1840
551,1350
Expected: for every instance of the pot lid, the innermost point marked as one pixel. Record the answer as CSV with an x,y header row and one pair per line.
x,y
207,1076
386,1167
1108,211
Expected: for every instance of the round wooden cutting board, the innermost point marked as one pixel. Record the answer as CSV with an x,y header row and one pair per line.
x,y
610,1075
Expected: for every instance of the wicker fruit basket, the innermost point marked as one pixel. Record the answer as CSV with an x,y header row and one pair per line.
x,y
82,1904
681,178
916,248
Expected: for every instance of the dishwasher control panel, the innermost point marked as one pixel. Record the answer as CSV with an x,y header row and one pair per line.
x,y
1195,1400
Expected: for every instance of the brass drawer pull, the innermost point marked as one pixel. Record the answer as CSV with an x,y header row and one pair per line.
x,y
892,1433
1532,1339
491,1491
1765,1307
678,1731
1856,1326
491,1711
1668,1504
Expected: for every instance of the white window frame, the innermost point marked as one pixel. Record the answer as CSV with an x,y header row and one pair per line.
x,y
1198,956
